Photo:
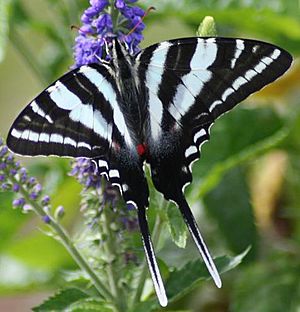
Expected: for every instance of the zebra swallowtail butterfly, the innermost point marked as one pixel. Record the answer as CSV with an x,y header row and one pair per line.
x,y
155,107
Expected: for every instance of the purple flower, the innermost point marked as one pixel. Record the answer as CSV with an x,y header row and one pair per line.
x,y
13,171
33,195
46,219
85,172
120,4
16,188
20,202
3,151
45,200
31,180
10,158
5,186
27,208
130,206
38,188
98,29
59,212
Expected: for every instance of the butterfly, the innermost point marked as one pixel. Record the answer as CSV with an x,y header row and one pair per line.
x,y
155,107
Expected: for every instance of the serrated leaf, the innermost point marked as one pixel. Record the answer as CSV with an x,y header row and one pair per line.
x,y
185,279
4,25
89,305
61,300
177,226
230,206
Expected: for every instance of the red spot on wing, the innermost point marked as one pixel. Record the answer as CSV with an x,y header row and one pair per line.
x,y
141,149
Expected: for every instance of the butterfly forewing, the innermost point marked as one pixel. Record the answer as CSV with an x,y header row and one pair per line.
x,y
72,117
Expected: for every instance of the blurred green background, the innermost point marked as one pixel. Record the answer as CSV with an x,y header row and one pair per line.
x,y
246,189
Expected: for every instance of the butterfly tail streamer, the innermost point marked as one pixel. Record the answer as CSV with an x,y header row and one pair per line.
x,y
151,259
197,237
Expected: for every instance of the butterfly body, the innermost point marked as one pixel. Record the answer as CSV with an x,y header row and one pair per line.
x,y
155,107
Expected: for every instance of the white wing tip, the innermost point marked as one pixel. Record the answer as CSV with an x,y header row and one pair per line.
x,y
163,300
218,281
215,274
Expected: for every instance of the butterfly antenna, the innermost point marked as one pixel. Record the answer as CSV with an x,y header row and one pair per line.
x,y
151,259
197,237
141,20
74,27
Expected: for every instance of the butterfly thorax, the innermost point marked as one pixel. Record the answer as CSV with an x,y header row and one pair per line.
x,y
132,100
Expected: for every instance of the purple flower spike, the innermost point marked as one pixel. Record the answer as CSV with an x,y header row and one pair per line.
x,y
85,172
14,177
98,30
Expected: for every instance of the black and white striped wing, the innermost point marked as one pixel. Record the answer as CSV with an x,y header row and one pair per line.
x,y
79,115
75,116
190,82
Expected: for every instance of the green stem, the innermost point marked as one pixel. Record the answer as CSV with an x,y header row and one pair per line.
x,y
144,270
110,250
66,241
114,13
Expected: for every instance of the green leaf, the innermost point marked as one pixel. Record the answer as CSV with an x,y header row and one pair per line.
x,y
176,225
4,25
230,205
265,23
234,140
90,305
61,300
184,280
269,286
